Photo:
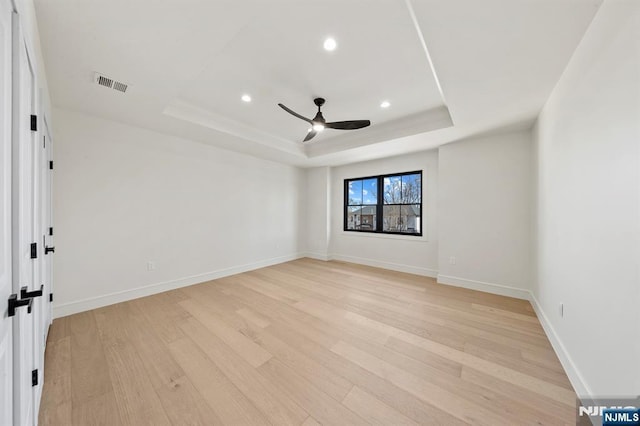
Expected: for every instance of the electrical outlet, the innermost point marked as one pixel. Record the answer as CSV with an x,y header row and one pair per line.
x,y
452,260
151,265
561,310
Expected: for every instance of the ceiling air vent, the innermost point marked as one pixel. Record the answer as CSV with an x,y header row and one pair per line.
x,y
105,81
120,86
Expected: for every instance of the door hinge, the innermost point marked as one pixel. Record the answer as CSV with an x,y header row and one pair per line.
x,y
51,230
50,297
34,123
50,165
34,377
34,250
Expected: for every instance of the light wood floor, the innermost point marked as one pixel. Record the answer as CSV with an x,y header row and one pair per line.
x,y
306,342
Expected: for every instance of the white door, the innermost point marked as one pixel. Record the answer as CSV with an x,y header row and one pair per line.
x,y
27,246
41,304
6,332
47,224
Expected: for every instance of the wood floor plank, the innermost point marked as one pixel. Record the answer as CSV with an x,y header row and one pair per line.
x,y
278,278
223,306
136,399
306,342
226,400
311,422
161,368
336,317
321,406
185,405
519,364
163,312
436,328
59,329
278,408
254,317
545,359
244,347
453,403
462,320
324,379
373,410
100,410
278,311
55,405
408,404
468,390
89,372
554,412
507,374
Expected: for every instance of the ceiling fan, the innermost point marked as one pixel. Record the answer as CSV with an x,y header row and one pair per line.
x,y
319,123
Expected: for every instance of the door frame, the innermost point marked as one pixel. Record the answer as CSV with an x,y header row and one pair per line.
x,y
6,281
47,216
28,349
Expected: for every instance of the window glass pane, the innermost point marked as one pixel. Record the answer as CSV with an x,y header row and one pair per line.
x,y
355,192
411,189
411,219
392,190
361,218
353,217
391,219
369,191
367,218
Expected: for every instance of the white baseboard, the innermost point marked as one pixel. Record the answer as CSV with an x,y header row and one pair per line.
x,y
417,270
317,256
576,379
70,308
499,289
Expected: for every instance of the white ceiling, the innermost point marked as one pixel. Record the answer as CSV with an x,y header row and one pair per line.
x,y
450,68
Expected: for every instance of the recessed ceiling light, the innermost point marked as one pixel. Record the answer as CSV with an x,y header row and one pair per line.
x,y
246,98
330,44
385,104
318,127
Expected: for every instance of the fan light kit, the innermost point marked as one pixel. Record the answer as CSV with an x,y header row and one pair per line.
x,y
330,44
319,123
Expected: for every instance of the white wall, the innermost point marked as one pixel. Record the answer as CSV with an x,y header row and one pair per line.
x,y
318,212
418,255
125,196
484,218
588,193
27,12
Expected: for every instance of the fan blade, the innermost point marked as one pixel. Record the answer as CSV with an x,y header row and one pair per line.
x,y
347,125
310,135
292,112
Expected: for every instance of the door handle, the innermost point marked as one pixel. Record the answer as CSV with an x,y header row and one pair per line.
x,y
15,303
24,294
49,249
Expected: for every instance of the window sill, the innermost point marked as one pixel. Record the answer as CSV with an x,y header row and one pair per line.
x,y
421,239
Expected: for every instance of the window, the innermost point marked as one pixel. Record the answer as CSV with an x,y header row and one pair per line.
x,y
389,204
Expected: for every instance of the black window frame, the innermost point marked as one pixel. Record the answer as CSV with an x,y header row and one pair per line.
x,y
379,206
